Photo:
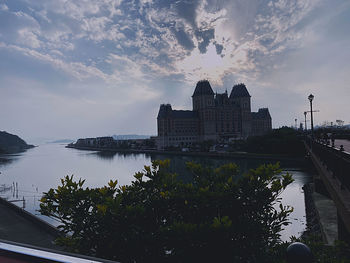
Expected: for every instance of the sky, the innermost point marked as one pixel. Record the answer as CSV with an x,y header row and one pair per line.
x,y
86,68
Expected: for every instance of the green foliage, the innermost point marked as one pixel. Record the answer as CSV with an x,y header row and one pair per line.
x,y
220,216
339,253
284,141
322,253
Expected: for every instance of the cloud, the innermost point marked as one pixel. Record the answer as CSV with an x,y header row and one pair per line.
x,y
29,38
219,48
161,36
152,50
187,10
183,38
204,37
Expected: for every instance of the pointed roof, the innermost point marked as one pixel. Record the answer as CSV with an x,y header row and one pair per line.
x,y
164,111
239,90
263,113
203,88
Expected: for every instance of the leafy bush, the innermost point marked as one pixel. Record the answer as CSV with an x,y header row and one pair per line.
x,y
339,253
221,215
322,253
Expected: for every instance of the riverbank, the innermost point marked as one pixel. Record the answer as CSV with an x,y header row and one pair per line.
x,y
321,216
199,154
312,219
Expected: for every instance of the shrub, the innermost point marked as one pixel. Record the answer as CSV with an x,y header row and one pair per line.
x,y
220,215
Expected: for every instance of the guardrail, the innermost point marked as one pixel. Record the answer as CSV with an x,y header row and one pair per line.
x,y
336,160
17,252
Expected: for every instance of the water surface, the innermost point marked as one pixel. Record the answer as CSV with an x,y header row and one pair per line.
x,y
29,174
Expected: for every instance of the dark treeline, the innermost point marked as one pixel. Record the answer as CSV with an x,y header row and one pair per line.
x,y
10,143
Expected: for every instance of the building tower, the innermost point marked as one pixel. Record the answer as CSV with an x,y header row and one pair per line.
x,y
240,97
163,124
203,103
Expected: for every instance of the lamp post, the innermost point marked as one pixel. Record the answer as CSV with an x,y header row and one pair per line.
x,y
305,112
311,97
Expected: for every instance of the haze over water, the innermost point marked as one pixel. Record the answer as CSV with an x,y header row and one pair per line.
x,y
41,168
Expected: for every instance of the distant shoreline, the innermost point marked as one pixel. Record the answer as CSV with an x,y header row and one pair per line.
x,y
206,154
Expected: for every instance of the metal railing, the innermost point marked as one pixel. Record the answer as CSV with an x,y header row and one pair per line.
x,y
296,253
336,160
10,251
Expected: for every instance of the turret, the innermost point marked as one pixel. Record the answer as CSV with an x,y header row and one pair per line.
x,y
164,111
163,119
203,95
203,103
240,97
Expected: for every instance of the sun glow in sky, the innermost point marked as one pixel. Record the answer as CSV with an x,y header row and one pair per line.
x,y
209,65
81,68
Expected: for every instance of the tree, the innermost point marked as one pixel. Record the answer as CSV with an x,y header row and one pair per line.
x,y
221,215
284,141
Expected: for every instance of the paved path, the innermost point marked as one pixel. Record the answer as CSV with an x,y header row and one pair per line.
x,y
15,227
327,213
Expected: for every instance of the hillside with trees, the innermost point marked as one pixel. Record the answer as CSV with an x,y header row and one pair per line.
x,y
10,143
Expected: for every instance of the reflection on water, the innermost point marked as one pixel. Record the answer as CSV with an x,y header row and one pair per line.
x,y
109,156
6,159
31,173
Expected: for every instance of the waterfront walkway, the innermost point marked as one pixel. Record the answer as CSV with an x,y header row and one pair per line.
x,y
17,227
332,180
345,143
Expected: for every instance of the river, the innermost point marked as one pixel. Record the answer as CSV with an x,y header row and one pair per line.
x,y
27,175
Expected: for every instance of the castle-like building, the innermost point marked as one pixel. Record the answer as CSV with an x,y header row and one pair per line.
x,y
216,117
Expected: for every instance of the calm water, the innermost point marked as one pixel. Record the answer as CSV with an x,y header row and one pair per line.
x,y
41,168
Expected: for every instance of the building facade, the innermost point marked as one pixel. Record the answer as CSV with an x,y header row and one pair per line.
x,y
214,117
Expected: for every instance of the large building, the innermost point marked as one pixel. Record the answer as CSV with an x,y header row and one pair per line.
x,y
215,117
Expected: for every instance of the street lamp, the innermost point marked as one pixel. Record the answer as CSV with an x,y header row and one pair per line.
x,y
311,97
305,112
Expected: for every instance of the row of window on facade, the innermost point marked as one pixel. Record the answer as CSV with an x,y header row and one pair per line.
x,y
182,138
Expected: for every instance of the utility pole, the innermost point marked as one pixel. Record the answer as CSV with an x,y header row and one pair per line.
x,y
311,97
305,113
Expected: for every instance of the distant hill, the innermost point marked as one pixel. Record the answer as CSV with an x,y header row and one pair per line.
x,y
130,137
62,141
10,143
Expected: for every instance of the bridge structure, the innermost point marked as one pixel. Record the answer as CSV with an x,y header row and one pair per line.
x,y
333,179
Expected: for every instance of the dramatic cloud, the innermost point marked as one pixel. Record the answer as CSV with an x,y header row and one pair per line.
x,y
106,65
